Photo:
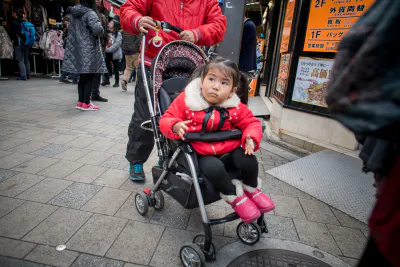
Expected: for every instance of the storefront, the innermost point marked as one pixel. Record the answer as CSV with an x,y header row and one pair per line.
x,y
298,66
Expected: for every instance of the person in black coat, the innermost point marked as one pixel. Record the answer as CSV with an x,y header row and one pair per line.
x,y
247,59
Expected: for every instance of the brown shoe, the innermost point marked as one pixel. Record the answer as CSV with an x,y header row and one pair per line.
x,y
124,85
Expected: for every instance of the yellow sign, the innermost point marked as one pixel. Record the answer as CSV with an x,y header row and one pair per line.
x,y
52,21
330,20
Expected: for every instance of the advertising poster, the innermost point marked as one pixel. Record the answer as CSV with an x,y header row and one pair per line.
x,y
311,80
330,20
287,26
283,73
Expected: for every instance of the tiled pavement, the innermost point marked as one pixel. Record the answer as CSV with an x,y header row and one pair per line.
x,y
64,180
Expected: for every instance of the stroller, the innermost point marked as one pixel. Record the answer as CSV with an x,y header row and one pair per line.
x,y
178,173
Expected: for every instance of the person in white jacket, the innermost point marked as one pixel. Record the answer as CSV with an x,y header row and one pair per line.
x,y
113,53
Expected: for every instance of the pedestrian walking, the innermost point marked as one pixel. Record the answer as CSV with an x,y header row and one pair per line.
x,y
206,28
83,53
23,37
130,47
113,53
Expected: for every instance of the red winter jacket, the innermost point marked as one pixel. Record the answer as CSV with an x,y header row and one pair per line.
x,y
203,17
189,105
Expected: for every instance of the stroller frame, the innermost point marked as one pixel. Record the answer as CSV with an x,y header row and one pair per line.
x,y
201,249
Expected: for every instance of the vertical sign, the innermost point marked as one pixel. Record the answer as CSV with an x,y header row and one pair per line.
x,y
330,20
287,26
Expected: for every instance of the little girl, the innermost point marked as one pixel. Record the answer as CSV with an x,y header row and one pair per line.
x,y
210,104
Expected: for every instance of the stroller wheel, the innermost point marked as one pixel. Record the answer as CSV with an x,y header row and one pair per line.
x,y
192,256
141,203
199,240
249,234
159,200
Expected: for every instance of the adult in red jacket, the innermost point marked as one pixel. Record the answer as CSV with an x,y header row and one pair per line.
x,y
203,24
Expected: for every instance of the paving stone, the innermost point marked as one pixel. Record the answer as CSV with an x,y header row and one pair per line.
x,y
5,174
279,151
28,147
119,149
318,211
128,211
4,153
85,260
81,142
101,145
352,262
281,227
61,139
213,212
137,237
350,241
133,265
112,178
137,186
95,158
59,227
35,165
13,160
98,234
15,248
271,185
316,235
75,196
4,261
167,253
18,184
12,142
288,207
9,204
72,154
116,162
61,169
49,255
86,174
25,133
107,201
173,215
50,150
44,190
366,233
43,136
348,221
23,219
292,191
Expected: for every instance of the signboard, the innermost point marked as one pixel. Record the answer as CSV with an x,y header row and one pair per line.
x,y
311,80
287,26
330,20
283,73
52,21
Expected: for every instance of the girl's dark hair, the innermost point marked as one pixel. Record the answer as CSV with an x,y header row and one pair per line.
x,y
240,80
20,13
116,27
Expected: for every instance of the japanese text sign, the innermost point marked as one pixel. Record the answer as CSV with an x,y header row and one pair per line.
x,y
330,20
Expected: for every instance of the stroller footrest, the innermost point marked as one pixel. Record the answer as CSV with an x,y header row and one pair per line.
x,y
228,218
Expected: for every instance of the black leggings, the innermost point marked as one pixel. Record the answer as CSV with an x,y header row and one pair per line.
x,y
116,64
215,170
85,87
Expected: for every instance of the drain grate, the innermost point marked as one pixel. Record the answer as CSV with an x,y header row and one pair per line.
x,y
276,258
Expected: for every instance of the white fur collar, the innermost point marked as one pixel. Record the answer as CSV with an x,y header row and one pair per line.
x,y
195,101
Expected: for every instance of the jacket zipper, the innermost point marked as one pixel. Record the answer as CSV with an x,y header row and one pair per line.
x,y
182,14
211,128
215,153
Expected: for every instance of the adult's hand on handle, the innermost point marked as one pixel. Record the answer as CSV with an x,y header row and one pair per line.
x,y
187,36
145,24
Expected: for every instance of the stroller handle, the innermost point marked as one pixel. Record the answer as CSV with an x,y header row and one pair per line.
x,y
168,27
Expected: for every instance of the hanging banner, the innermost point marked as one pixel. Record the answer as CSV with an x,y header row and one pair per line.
x,y
283,73
330,20
287,29
311,80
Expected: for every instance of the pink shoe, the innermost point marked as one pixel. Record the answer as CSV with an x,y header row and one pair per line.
x,y
262,201
89,106
242,205
79,105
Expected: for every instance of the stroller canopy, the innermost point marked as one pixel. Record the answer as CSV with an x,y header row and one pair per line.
x,y
176,59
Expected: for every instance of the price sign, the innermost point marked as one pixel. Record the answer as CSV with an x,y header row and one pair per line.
x,y
330,20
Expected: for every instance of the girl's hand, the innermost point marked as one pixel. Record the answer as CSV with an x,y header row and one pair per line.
x,y
180,128
249,149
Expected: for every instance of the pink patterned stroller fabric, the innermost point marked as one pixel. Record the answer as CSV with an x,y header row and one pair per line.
x,y
176,59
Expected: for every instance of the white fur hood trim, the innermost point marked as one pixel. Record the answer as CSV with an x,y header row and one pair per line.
x,y
195,101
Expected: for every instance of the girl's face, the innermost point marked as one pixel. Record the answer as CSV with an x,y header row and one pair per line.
x,y
111,26
217,87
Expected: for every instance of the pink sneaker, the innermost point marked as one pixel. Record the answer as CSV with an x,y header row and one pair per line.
x,y
79,105
262,201
89,106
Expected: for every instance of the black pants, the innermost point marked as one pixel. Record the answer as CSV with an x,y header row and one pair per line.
x,y
216,171
96,85
140,142
372,256
85,87
116,64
